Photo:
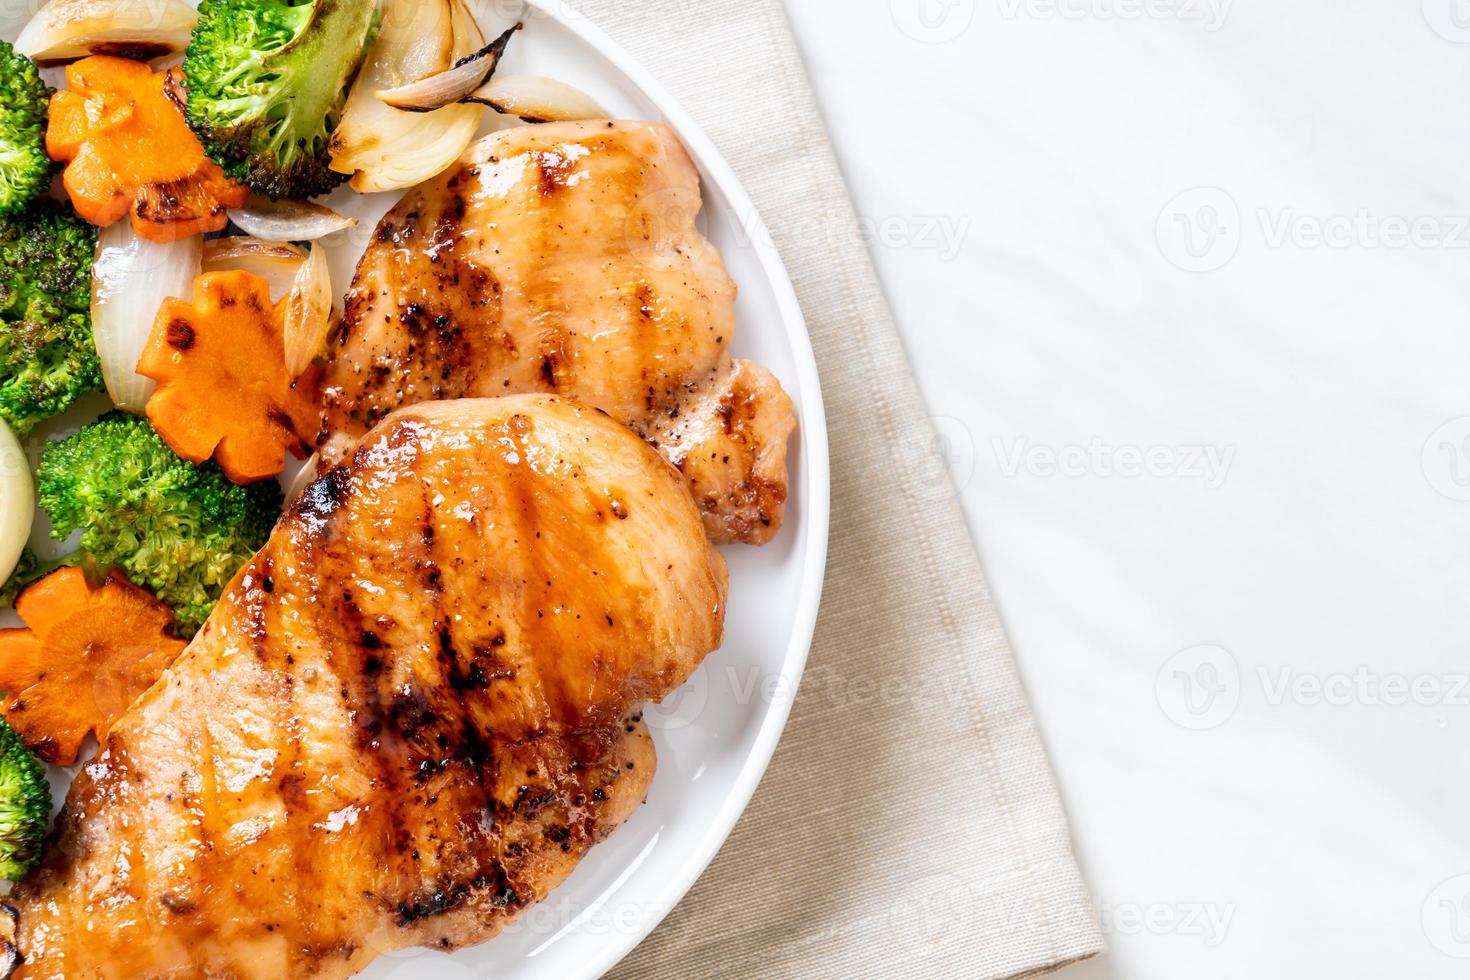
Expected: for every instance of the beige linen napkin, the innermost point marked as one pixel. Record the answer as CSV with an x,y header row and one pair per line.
x,y
909,824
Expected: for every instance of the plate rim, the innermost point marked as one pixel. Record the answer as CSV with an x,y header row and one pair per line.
x,y
815,456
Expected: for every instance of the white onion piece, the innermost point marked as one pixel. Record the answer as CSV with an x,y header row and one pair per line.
x,y
467,36
387,149
536,99
65,30
17,500
304,478
275,262
288,221
448,87
131,277
308,312
421,39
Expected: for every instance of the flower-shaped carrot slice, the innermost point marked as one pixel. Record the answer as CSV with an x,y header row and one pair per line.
x,y
82,661
223,386
129,149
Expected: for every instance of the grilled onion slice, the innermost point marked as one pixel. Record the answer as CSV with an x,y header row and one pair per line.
x,y
65,30
288,221
536,99
308,312
275,262
388,149
448,87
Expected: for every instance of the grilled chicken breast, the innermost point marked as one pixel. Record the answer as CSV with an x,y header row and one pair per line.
x,y
564,258
408,718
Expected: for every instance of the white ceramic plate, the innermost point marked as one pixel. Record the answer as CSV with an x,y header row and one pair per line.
x,y
715,735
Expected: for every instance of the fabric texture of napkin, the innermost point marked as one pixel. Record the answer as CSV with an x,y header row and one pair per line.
x,y
909,824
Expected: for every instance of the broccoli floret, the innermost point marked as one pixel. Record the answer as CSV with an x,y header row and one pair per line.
x,y
47,356
178,529
25,805
267,81
25,170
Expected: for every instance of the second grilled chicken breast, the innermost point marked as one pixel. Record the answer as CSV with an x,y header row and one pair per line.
x,y
407,719
564,258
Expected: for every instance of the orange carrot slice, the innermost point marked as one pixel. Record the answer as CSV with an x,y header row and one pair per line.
x,y
84,657
128,150
223,386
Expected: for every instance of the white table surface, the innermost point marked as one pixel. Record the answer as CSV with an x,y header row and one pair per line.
x,y
1206,444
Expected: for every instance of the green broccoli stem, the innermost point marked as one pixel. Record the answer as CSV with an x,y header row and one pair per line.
x,y
323,66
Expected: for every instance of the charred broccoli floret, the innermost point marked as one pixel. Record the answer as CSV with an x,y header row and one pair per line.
x,y
47,356
179,529
25,805
25,170
267,81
